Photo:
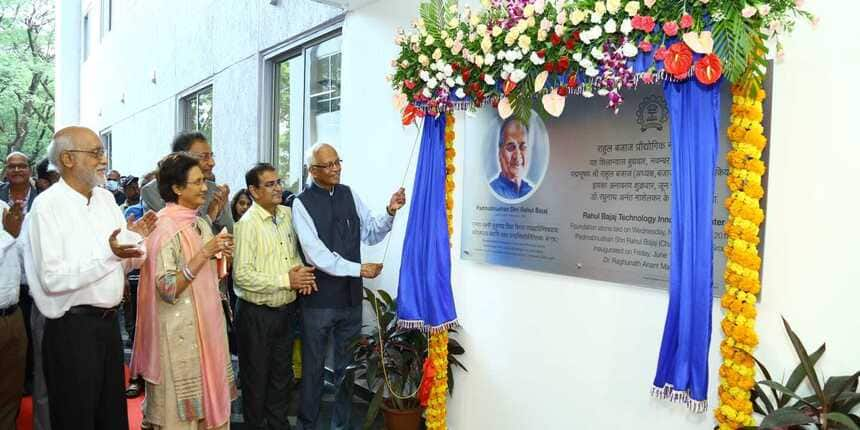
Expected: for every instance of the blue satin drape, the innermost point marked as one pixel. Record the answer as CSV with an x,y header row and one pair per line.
x,y
424,298
682,370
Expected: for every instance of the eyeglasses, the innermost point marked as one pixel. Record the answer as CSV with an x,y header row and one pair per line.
x,y
95,153
14,167
329,166
204,155
272,184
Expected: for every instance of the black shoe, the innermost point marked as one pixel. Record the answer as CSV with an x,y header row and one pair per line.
x,y
134,389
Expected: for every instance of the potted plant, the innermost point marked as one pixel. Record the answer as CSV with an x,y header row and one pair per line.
x,y
829,407
398,355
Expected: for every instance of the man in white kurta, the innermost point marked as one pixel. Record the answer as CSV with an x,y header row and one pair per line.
x,y
78,251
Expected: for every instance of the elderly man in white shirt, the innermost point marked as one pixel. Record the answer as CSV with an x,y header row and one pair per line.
x,y
13,337
78,250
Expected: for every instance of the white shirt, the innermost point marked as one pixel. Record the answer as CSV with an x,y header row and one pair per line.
x,y
67,257
10,266
373,230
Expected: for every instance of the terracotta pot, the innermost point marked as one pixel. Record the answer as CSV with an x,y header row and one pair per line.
x,y
397,419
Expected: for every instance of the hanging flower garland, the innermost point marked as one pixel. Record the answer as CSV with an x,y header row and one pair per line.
x,y
514,52
737,371
450,153
437,409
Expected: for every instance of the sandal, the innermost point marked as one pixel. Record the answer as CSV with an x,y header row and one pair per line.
x,y
133,390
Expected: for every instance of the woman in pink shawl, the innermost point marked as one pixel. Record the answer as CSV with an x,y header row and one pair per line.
x,y
181,346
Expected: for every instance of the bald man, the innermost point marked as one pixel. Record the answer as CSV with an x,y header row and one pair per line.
x,y
78,248
331,223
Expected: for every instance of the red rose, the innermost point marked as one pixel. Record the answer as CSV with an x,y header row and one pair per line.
x,y
541,53
562,91
670,28
555,39
571,81
455,66
409,84
678,60
645,46
475,87
709,69
570,43
563,64
466,74
549,66
686,21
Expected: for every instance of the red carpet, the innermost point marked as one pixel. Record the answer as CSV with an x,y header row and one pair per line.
x,y
25,417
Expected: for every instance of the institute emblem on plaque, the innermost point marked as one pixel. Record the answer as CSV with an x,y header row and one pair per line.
x,y
652,113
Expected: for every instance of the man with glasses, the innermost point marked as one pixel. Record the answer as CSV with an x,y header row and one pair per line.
x,y
215,209
267,274
331,223
77,249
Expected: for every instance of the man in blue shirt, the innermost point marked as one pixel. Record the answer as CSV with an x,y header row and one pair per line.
x,y
514,160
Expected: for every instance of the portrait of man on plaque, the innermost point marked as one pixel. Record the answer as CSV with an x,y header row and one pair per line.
x,y
520,154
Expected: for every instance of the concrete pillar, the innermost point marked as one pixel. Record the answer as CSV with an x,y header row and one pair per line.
x,y
67,63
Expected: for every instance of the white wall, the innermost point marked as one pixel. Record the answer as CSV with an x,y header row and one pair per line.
x,y
184,43
556,352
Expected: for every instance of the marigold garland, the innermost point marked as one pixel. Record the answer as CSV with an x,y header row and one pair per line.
x,y
437,411
737,372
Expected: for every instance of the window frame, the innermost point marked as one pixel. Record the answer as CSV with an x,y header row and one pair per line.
x,y
86,36
270,60
181,105
106,137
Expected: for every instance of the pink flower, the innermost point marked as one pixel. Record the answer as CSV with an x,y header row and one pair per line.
x,y
645,46
648,78
670,28
686,21
661,53
644,23
748,11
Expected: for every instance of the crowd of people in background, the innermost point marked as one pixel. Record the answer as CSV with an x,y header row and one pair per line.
x,y
196,276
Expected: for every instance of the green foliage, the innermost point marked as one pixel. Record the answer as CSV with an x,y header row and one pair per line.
x,y
26,76
830,407
404,352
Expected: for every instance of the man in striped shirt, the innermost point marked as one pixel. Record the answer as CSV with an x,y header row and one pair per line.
x,y
268,273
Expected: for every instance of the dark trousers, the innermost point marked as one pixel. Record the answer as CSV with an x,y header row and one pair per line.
x,y
265,342
83,364
25,302
13,353
129,306
319,326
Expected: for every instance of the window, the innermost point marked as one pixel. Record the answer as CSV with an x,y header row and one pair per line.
x,y
85,33
196,110
107,142
305,84
107,16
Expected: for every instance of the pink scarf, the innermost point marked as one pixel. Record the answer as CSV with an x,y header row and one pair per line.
x,y
146,361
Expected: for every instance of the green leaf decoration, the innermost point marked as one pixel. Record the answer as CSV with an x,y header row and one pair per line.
x,y
785,417
844,420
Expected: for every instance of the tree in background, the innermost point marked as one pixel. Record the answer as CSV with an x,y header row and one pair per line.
x,y
26,77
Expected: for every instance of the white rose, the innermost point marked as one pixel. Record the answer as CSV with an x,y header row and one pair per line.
x,y
429,40
597,52
542,35
529,10
613,6
626,26
488,79
632,8
459,80
497,30
510,38
536,59
577,16
414,38
602,92
545,24
437,54
629,50
473,37
479,60
540,5
474,20
423,60
611,26
517,76
592,72
562,17
432,83
453,23
559,29
449,82
482,29
444,35
460,93
448,70
424,75
577,57
600,8
426,92
449,43
458,46
489,59
524,43
486,44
